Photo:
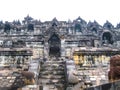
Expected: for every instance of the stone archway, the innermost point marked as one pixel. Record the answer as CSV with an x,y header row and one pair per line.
x,y
54,45
107,38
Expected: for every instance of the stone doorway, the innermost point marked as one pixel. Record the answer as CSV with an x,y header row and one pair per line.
x,y
54,45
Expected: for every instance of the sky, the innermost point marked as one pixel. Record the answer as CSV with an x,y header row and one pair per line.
x,y
63,10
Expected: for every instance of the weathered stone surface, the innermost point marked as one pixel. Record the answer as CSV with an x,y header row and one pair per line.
x,y
114,72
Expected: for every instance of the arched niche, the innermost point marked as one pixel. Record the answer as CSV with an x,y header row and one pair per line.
x,y
107,38
94,30
7,28
78,28
30,27
54,45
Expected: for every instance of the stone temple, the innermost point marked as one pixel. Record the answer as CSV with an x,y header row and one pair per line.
x,y
77,39
51,53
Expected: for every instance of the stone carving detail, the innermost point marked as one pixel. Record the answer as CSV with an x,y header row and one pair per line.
x,y
114,72
108,25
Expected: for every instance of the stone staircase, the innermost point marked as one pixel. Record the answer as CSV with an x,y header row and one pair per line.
x,y
52,74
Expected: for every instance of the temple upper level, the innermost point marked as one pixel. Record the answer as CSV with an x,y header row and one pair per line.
x,y
78,31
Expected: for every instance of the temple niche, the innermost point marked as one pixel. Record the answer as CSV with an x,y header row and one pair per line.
x,y
30,27
108,25
78,28
118,26
107,38
54,45
7,27
93,27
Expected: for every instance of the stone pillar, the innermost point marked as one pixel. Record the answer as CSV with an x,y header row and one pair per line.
x,y
41,52
81,58
76,59
3,59
84,58
62,47
96,59
46,50
100,57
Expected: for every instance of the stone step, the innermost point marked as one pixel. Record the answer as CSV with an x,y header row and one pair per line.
x,y
52,73
51,69
47,73
54,62
53,77
52,81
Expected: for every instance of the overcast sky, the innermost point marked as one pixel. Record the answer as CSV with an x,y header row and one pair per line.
x,y
99,10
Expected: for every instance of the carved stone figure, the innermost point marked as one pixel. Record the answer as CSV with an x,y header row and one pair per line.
x,y
114,72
